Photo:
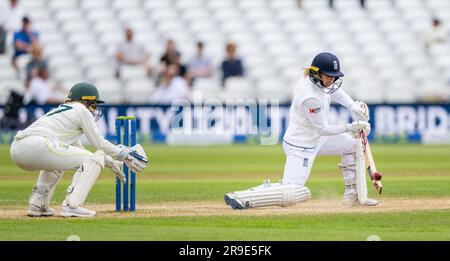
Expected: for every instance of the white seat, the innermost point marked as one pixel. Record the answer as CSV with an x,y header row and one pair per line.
x,y
196,15
99,72
132,72
169,26
86,50
106,26
66,15
96,59
347,5
7,73
273,88
62,73
296,27
266,27
32,5
155,5
128,15
55,49
411,4
62,60
258,15
220,5
240,84
88,5
62,5
369,93
119,4
315,4
79,38
262,71
274,39
224,15
379,5
99,14
164,15
251,4
234,26
139,91
8,85
206,88
189,5
434,89
75,25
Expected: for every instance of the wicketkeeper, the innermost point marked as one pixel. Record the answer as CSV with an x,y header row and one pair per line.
x,y
52,145
308,135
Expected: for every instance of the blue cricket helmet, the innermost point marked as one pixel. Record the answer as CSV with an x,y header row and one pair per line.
x,y
328,64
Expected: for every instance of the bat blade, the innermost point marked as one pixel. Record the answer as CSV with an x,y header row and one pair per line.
x,y
370,163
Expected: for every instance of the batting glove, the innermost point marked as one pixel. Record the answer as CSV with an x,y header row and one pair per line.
x,y
360,111
357,126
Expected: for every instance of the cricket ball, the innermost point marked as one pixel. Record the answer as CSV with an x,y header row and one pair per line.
x,y
377,176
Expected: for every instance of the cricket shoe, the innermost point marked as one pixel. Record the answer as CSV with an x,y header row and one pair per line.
x,y
352,200
34,211
67,211
235,203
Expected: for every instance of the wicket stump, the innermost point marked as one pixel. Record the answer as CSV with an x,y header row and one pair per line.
x,y
128,124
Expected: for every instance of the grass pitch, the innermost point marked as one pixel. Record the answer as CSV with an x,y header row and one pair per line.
x,y
180,197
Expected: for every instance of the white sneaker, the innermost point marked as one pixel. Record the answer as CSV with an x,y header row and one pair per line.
x,y
370,202
352,200
34,211
67,211
232,201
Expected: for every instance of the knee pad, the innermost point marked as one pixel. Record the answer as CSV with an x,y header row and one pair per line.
x,y
84,179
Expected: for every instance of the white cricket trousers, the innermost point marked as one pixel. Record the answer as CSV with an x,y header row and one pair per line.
x,y
41,153
299,160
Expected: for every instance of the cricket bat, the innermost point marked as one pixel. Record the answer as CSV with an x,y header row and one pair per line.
x,y
374,175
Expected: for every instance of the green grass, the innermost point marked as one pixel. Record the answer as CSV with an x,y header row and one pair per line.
x,y
179,174
388,226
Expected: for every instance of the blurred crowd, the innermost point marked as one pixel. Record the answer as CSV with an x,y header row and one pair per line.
x,y
174,76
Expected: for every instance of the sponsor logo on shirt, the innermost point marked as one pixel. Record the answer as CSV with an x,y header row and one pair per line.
x,y
315,110
305,162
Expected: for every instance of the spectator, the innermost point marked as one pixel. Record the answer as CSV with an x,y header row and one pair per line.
x,y
171,56
2,40
436,35
361,2
231,66
37,61
331,4
40,91
172,87
10,22
130,53
199,66
23,40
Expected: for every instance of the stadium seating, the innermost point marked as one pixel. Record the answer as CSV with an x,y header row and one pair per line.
x,y
378,46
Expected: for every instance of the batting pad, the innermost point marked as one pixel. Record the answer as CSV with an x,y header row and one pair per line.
x,y
274,195
84,179
45,187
